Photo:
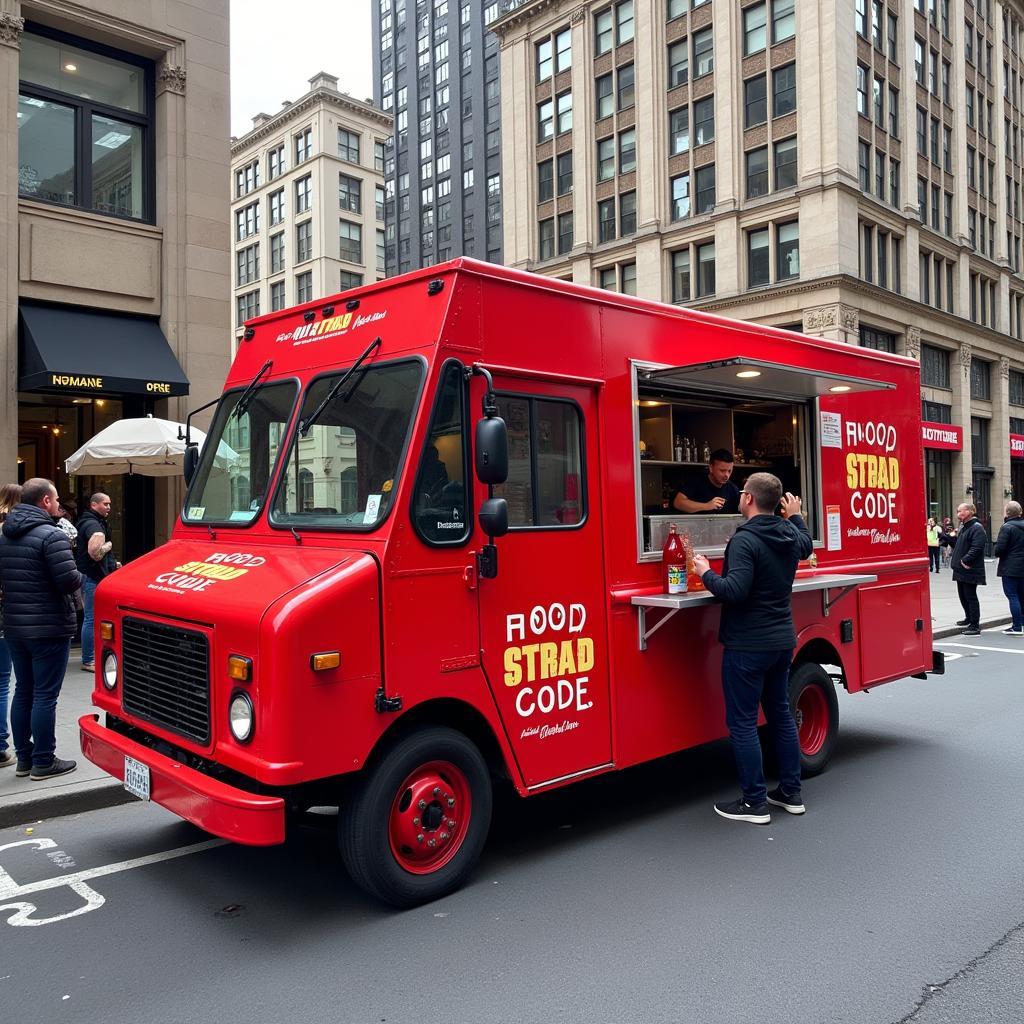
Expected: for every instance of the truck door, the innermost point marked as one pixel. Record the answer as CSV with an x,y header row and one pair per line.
x,y
542,619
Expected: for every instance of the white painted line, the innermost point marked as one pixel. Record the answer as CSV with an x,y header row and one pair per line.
x,y
977,647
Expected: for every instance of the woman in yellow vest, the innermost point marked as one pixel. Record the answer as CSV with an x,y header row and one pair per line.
x,y
933,546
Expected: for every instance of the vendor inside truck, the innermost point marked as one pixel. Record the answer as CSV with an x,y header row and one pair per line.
x,y
712,491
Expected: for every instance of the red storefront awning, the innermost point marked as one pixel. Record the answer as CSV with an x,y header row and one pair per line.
x,y
1017,446
947,436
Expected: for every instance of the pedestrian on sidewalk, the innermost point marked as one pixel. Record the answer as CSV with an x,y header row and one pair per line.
x,y
38,578
95,560
932,531
756,630
947,538
969,567
10,495
1009,550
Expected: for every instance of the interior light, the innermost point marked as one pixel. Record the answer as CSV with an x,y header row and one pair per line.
x,y
749,373
112,140
70,67
652,405
839,388
101,402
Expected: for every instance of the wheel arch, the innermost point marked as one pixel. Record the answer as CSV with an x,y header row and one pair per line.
x,y
820,651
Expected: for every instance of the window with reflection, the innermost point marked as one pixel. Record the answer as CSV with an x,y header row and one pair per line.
x,y
84,126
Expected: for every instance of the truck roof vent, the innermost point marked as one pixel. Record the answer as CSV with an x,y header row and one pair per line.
x,y
327,311
309,316
351,305
250,333
435,286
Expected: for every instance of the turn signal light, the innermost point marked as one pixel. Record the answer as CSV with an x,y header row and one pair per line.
x,y
107,630
239,668
323,662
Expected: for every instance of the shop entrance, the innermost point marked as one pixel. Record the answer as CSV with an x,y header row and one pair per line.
x,y
52,427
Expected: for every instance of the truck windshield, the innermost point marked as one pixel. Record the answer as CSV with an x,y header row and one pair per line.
x,y
343,473
238,458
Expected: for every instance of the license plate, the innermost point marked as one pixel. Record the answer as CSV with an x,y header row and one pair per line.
x,y
136,777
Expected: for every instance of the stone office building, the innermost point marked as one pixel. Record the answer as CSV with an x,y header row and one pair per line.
x,y
114,255
849,169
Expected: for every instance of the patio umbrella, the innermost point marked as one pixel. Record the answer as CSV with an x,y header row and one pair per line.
x,y
147,446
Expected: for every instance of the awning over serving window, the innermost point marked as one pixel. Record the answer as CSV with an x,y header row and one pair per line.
x,y
61,349
758,378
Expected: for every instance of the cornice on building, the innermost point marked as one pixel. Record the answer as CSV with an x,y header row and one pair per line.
x,y
519,16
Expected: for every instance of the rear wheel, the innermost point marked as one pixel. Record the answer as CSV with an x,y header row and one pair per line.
x,y
812,697
416,822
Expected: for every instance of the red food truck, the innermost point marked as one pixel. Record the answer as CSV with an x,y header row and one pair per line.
x,y
420,551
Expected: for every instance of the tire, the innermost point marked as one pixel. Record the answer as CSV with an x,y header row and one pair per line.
x,y
416,822
812,698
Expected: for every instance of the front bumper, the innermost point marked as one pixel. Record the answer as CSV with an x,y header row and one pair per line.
x,y
214,806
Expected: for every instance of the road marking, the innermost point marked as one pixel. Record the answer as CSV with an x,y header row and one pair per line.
x,y
11,892
978,647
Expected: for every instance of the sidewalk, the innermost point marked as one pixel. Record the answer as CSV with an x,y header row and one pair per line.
x,y
87,788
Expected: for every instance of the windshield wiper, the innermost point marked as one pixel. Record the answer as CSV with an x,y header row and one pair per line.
x,y
247,394
305,424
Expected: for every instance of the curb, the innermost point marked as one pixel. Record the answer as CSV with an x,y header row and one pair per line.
x,y
57,804
955,630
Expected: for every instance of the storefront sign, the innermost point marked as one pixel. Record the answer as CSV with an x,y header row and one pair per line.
x,y
1017,446
76,382
947,436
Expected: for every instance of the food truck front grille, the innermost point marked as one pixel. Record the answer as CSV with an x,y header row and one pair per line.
x,y
167,676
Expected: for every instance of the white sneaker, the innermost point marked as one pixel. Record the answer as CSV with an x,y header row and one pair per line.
x,y
1013,632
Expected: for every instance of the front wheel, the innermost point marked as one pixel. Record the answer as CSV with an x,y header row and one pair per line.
x,y
812,697
416,822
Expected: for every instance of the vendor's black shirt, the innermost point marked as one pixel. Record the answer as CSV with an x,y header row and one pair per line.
x,y
701,489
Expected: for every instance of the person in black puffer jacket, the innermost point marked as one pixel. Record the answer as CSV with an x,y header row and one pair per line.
x,y
39,579
968,563
1010,552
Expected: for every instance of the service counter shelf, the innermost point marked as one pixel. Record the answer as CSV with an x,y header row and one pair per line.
x,y
672,603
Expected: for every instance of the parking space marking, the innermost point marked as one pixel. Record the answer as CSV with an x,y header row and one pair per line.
x,y
978,647
11,893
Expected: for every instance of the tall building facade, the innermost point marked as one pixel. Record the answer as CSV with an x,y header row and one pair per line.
x,y
848,168
307,201
436,68
114,287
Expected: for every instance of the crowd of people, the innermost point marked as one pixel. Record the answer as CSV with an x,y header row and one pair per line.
x,y
962,548
49,569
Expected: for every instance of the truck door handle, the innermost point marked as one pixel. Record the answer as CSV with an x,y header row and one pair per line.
x,y
469,576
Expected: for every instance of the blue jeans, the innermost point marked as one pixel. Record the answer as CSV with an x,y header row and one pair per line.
x,y
5,692
750,678
88,639
1013,588
39,667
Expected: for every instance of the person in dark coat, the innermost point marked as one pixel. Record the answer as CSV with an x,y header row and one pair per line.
x,y
757,632
1009,550
968,563
39,579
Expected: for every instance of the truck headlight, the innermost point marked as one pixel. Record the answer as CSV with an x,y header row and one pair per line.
x,y
110,670
241,717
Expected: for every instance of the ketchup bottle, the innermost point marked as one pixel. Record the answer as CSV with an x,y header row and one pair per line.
x,y
673,562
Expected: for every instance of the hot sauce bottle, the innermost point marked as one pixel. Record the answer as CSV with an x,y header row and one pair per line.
x,y
674,562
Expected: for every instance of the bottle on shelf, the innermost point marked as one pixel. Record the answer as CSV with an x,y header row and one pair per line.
x,y
707,452
674,562
687,451
677,449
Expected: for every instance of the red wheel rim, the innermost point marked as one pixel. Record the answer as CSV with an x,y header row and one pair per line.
x,y
430,817
812,720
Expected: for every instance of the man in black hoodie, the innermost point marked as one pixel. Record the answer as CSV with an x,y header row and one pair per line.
x,y
968,563
757,632
38,574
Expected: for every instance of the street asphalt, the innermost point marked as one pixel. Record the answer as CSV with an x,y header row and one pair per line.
x,y
896,898
89,788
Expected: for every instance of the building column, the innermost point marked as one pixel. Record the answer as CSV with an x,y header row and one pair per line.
x,y
999,442
961,383
11,26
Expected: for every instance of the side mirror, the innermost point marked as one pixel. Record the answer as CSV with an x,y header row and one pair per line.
x,y
190,462
493,517
491,451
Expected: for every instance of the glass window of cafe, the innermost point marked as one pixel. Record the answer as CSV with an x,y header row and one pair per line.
x,y
679,431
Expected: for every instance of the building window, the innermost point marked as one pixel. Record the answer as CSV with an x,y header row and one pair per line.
x,y
623,22
247,221
247,306
379,203
758,258
705,189
783,20
277,296
862,90
348,145
85,141
603,32
681,197
564,173
351,241
565,230
604,92
545,59
563,51
275,206
979,441
704,121
864,166
349,193
706,269
935,367
606,220
303,145
606,158
681,276
546,235
304,287
564,102
247,264
304,241
276,164
247,178
277,258
545,180
545,120
757,172
378,156
350,280
607,278
880,341
755,29
304,194
980,374
703,53
785,163
627,213
1017,389
787,240
678,64
679,131
755,101
627,151
626,79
